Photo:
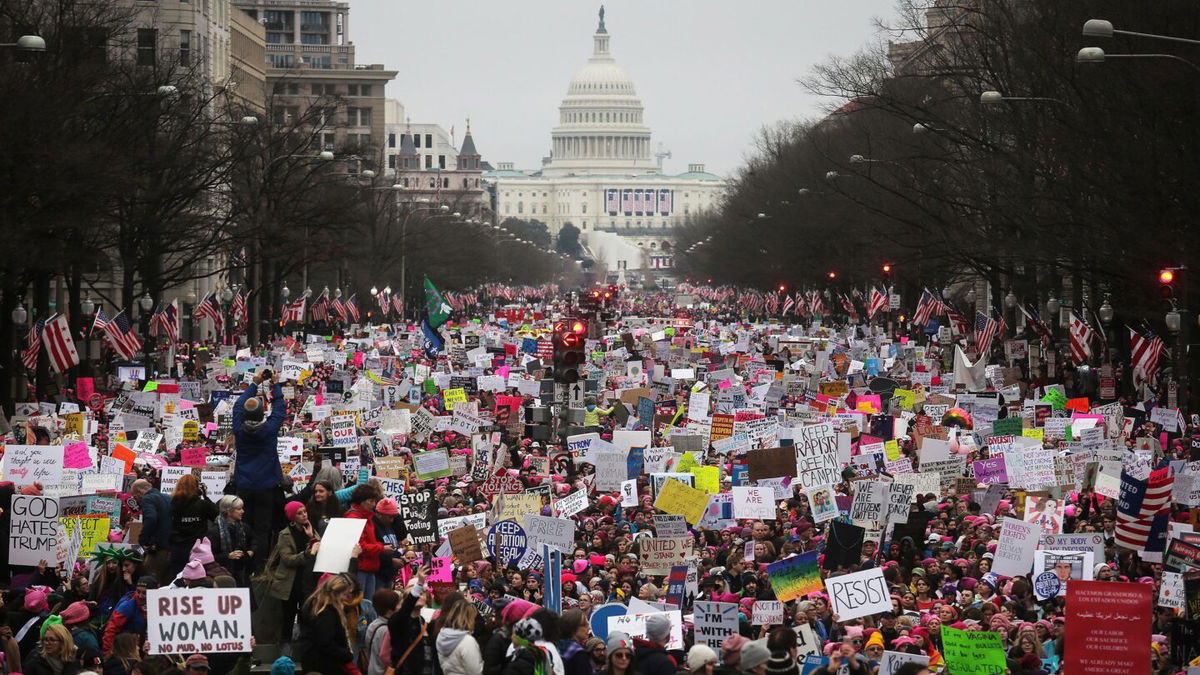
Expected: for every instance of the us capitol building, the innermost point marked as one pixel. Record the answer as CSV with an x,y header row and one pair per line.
x,y
604,176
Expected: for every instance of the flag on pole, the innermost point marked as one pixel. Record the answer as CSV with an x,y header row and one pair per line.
x,y
927,306
240,311
985,332
1140,502
121,336
384,304
1145,349
60,345
33,346
1035,320
398,305
433,342
294,311
165,322
788,304
100,321
435,306
848,305
210,307
877,303
337,309
352,308
1081,340
320,308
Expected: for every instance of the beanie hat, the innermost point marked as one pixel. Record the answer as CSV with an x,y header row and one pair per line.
x,y
754,654
876,640
579,566
149,581
290,511
658,629
202,551
193,571
516,610
283,666
529,629
699,655
35,601
782,663
617,640
731,649
387,506
76,612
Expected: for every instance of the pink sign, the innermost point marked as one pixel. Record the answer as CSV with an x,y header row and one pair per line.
x,y
441,570
193,456
84,388
75,456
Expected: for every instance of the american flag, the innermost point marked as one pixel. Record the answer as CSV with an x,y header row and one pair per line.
x,y
240,310
1140,502
788,304
165,323
337,308
815,304
1001,325
1081,340
60,345
121,336
100,321
801,305
384,303
210,307
985,332
398,305
1146,349
877,303
29,357
1035,320
958,320
848,305
352,308
294,311
927,307
320,308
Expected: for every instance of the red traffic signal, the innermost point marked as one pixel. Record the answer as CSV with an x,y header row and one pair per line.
x,y
832,274
1166,282
887,268
1166,276
578,327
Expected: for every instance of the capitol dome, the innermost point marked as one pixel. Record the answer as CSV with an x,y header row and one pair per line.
x,y
600,129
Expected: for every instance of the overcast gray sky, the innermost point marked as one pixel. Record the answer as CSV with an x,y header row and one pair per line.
x,y
709,72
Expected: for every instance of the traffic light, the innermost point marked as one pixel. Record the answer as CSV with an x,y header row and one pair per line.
x,y
569,350
832,275
1166,282
887,271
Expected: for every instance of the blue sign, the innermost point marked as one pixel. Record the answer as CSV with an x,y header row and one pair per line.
x,y
600,617
508,541
1047,585
931,328
552,579
635,462
741,474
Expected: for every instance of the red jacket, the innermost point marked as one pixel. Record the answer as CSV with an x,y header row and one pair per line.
x,y
368,560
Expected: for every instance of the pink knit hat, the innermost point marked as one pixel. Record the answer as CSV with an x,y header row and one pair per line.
x,y
291,509
202,551
193,571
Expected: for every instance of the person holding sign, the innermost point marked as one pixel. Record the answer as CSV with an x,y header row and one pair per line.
x,y
257,473
325,642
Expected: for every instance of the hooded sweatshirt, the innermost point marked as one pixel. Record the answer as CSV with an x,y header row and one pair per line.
x,y
458,652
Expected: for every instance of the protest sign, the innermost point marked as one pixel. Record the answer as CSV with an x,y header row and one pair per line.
x,y
858,594
342,432
337,545
432,464
198,620
767,613
571,504
675,497
557,533
753,502
419,516
714,621
991,470
1108,627
634,625
33,530
893,660
771,463
974,652
29,464
611,470
507,540
464,542
1014,552
816,455
659,554
869,499
669,525
795,577
92,529
1093,542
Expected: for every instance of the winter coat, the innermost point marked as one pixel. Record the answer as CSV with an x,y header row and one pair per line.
x,y
190,518
327,645
403,629
36,664
495,652
368,560
239,540
649,658
257,466
458,652
156,519
127,617
290,558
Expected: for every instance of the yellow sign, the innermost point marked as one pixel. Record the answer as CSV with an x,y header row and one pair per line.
x,y
675,497
93,529
836,388
517,506
687,462
191,431
892,450
906,398
453,396
1033,433
75,424
708,478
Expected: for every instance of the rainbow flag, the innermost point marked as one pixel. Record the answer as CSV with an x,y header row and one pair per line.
x,y
795,577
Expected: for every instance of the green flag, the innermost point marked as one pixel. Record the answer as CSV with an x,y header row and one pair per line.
x,y
435,305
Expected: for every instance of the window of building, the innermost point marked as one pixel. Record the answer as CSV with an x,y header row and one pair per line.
x,y
466,184
314,39
185,47
520,207
281,60
545,208
441,161
429,140
358,117
324,62
416,140
391,140
360,90
147,43
314,21
429,165
445,183
685,209
432,182
364,140
391,161
285,114
507,208
278,20
583,207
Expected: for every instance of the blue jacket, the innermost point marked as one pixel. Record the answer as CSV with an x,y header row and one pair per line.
x,y
257,465
156,519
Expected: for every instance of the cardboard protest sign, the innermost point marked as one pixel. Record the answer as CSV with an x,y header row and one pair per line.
x,y
858,594
1014,553
771,463
571,504
92,529
464,541
675,497
870,496
975,652
669,525
795,577
342,431
1108,627
34,529
337,545
714,621
659,554
611,470
198,620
